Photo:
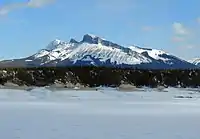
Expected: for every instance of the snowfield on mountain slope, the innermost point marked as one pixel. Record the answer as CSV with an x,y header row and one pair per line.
x,y
151,52
195,61
58,52
76,52
93,50
104,53
107,113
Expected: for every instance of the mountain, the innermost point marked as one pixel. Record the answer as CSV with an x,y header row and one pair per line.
x,y
96,51
195,61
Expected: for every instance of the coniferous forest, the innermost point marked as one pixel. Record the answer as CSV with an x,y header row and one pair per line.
x,y
100,76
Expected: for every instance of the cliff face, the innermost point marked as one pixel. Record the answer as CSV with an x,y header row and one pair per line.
x,y
99,76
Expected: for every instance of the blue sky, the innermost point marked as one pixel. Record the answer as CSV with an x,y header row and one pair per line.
x,y
170,25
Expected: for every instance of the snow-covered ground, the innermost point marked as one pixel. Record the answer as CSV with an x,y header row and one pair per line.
x,y
103,114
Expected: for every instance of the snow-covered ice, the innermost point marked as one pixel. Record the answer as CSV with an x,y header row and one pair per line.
x,y
103,114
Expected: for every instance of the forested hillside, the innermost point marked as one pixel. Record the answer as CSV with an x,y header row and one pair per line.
x,y
99,76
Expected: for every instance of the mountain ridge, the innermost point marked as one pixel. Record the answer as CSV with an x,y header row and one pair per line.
x,y
96,51
195,61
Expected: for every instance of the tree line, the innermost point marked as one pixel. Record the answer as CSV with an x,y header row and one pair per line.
x,y
92,76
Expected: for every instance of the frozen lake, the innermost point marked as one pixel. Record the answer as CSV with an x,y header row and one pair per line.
x,y
104,114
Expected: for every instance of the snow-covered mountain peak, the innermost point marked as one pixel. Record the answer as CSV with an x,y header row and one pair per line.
x,y
154,53
41,53
92,39
148,50
195,61
73,41
140,50
92,35
55,44
94,50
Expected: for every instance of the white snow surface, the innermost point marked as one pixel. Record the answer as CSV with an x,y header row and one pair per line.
x,y
105,53
54,44
195,61
58,52
154,53
41,53
76,52
28,60
104,114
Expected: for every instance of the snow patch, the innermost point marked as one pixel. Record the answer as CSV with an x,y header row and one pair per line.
x,y
41,53
155,54
28,60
